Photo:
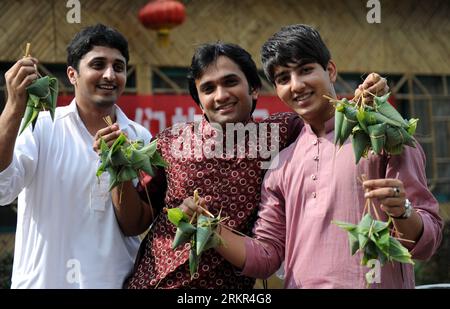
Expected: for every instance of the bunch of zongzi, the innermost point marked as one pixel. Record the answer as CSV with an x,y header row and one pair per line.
x,y
201,236
125,159
372,237
374,127
42,95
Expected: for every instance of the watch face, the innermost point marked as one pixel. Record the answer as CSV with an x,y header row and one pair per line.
x,y
408,209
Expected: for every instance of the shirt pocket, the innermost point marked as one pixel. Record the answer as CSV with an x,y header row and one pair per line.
x,y
100,195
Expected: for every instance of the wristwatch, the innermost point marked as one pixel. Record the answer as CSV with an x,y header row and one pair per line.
x,y
408,211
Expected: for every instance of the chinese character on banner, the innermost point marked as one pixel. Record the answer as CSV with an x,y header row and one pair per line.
x,y
157,112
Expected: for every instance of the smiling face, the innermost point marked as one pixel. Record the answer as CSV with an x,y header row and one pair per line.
x,y
100,78
302,86
224,92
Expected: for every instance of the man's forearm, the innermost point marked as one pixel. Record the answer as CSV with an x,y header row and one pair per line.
x,y
9,124
410,229
133,214
233,248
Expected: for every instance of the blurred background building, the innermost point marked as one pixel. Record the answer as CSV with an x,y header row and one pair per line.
x,y
410,46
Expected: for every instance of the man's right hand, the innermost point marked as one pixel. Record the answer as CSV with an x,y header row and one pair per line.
x,y
189,207
18,78
108,134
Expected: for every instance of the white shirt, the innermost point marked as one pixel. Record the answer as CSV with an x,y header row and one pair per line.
x,y
67,234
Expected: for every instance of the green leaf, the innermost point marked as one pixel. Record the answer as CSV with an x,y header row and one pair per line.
x,y
120,140
176,215
42,95
360,143
377,136
380,226
398,253
353,241
338,119
361,117
150,149
370,252
205,228
54,89
193,260
127,173
412,126
364,224
31,113
213,242
397,135
40,87
158,160
184,233
377,118
362,240
383,242
382,99
348,123
344,225
387,110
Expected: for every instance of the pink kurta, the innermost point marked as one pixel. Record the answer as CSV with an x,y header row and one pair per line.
x,y
316,183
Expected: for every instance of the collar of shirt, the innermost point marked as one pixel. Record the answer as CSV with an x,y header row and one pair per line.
x,y
121,118
208,129
329,126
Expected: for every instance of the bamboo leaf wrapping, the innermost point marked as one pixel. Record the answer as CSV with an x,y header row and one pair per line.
x,y
380,127
42,96
125,159
202,236
372,238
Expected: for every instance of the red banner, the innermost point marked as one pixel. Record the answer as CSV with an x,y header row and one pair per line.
x,y
157,112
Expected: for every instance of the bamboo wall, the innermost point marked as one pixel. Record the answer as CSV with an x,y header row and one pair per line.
x,y
413,36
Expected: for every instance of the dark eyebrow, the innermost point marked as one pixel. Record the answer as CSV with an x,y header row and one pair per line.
x,y
231,75
98,58
207,83
104,59
279,74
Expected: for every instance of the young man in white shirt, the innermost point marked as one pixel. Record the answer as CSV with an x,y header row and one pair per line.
x,y
68,231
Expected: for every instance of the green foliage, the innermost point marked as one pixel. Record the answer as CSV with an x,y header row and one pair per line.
x,y
202,237
125,159
379,127
372,238
42,95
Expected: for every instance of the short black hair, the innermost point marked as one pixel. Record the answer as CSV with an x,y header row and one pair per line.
x,y
97,35
293,44
207,54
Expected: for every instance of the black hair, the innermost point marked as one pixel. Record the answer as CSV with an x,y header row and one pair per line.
x,y
293,44
97,35
207,54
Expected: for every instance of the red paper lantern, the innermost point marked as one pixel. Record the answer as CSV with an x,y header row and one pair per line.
x,y
162,15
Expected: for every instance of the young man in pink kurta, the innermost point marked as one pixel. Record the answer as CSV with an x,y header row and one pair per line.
x,y
224,82
314,183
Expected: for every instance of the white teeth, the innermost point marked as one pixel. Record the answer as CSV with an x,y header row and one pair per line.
x,y
106,87
303,97
225,106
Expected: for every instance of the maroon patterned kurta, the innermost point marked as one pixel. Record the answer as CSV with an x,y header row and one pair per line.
x,y
231,184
